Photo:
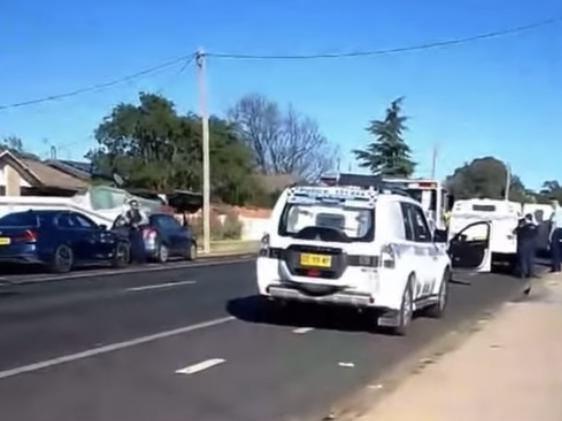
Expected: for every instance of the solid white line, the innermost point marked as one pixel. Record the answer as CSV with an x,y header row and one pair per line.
x,y
303,330
156,286
110,348
125,271
204,365
346,365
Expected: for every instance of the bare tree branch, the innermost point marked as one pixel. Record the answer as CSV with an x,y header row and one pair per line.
x,y
283,143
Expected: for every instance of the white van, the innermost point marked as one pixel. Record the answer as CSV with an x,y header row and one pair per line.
x,y
365,248
481,226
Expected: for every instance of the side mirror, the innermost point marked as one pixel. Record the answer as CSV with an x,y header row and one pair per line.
x,y
103,227
440,236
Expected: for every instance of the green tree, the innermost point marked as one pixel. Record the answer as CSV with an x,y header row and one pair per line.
x,y
151,146
486,178
388,155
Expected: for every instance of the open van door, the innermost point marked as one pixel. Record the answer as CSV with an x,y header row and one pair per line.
x,y
470,248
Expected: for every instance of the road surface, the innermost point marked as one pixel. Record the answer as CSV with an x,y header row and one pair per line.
x,y
194,343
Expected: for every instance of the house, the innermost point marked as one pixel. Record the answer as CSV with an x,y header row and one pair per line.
x,y
23,176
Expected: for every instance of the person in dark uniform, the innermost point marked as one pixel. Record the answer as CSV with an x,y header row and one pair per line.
x,y
526,232
135,219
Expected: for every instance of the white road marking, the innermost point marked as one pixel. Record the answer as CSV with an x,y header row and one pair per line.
x,y
110,348
303,330
375,386
204,365
164,285
346,365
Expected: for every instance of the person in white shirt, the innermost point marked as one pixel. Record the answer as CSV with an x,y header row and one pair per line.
x,y
556,237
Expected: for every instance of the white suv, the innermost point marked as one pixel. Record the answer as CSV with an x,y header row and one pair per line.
x,y
356,247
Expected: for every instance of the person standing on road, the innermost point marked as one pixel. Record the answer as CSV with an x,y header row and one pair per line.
x,y
526,232
135,220
556,237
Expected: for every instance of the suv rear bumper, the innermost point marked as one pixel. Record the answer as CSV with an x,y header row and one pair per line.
x,y
338,298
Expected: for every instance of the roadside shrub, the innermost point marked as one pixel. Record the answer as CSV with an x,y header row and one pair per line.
x,y
232,227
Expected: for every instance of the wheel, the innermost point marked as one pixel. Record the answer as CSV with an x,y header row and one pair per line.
x,y
192,252
406,310
63,259
122,255
438,309
163,253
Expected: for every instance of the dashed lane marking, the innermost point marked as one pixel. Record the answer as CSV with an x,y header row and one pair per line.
x,y
303,330
157,286
110,348
204,365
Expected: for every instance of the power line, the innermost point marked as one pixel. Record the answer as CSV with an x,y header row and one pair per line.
x,y
424,46
186,59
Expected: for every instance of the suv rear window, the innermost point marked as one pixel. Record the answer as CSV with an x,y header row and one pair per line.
x,y
351,224
484,208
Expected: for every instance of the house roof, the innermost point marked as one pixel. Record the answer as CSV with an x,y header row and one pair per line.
x,y
272,183
52,177
40,174
77,169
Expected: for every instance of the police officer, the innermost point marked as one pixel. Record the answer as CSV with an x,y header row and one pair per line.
x,y
556,237
526,232
135,219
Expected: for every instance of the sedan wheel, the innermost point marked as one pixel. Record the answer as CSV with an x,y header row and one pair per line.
x,y
63,259
122,255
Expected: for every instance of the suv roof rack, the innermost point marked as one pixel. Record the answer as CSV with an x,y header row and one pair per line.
x,y
363,181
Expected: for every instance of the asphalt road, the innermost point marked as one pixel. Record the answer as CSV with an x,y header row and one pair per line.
x,y
194,343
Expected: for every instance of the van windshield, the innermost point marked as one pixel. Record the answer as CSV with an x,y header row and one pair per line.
x,y
346,223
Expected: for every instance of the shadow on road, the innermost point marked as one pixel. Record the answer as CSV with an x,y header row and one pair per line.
x,y
256,309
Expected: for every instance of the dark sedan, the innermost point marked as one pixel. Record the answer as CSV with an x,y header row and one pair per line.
x,y
164,237
59,240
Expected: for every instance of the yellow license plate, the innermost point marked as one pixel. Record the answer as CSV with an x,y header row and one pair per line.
x,y
316,260
5,241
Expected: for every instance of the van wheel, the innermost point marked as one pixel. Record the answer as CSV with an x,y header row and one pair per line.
x,y
438,309
406,310
63,260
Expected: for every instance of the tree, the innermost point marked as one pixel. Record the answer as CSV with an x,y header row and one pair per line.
x,y
485,178
153,147
282,142
15,145
388,155
551,190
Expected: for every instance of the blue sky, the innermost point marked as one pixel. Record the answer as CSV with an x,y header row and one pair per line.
x,y
500,97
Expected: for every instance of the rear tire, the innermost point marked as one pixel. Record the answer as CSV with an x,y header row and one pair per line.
x,y
437,310
406,310
163,254
191,254
63,260
122,256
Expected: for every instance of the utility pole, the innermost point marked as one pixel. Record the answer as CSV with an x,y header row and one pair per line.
x,y
201,73
433,162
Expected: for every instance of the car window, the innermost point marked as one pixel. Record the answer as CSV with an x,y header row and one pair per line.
x,y
26,219
421,229
407,218
80,221
168,223
65,221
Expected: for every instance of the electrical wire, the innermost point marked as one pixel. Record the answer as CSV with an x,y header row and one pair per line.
x,y
367,53
186,59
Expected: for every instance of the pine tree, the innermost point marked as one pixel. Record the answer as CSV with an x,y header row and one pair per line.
x,y
388,155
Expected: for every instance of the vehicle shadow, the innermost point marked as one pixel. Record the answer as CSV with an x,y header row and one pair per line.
x,y
259,310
